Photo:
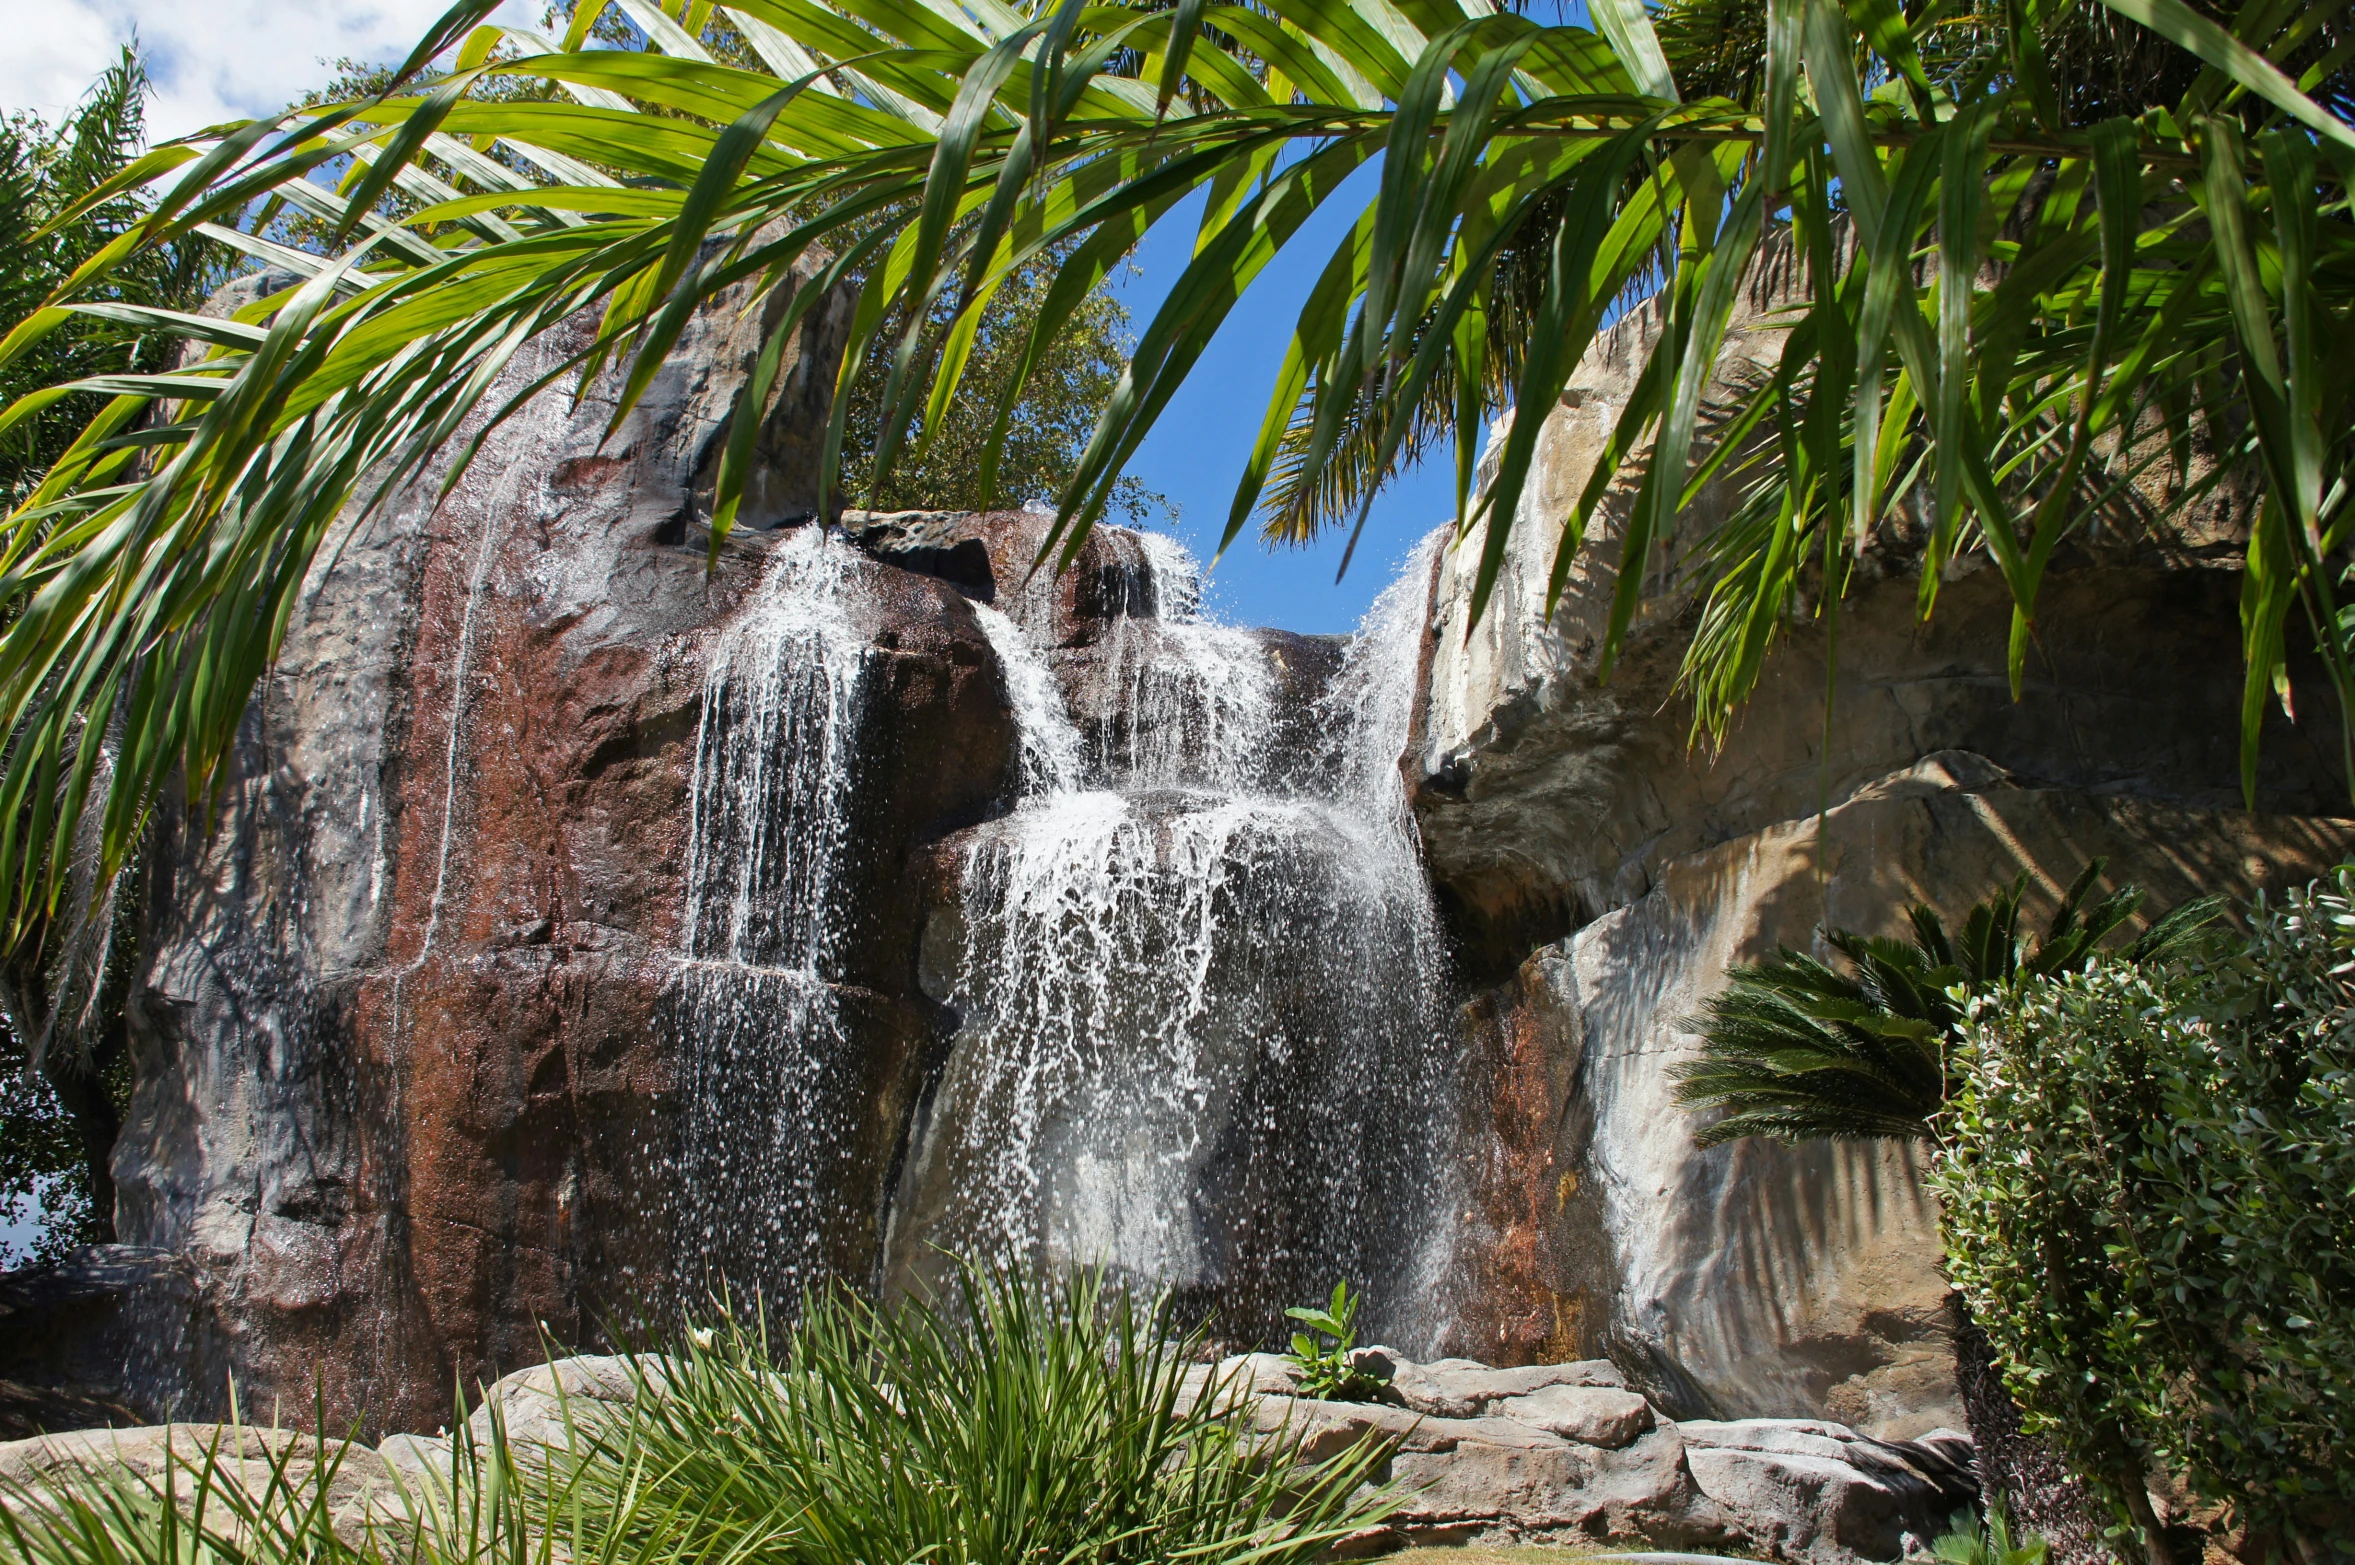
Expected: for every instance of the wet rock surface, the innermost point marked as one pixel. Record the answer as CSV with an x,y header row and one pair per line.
x,y
103,1336
406,1031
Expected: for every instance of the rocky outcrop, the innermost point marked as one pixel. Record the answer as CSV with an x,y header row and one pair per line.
x,y
406,1077
1601,871
1755,1278
1549,795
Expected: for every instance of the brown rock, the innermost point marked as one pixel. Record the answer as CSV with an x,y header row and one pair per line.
x,y
407,1031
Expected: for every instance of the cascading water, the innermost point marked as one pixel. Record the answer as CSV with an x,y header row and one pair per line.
x,y
754,1002
1200,977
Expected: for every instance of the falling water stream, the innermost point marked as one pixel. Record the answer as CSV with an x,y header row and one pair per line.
x,y
755,1001
1196,980
1199,990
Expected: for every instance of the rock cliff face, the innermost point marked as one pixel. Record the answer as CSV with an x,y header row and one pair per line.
x,y
1602,871
406,1094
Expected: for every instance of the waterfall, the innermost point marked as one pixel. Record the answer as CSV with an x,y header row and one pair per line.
x,y
1200,989
1185,702
754,1003
1051,745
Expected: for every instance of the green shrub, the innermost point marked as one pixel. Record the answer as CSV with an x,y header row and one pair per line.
x,y
1022,1426
1015,1423
2148,1188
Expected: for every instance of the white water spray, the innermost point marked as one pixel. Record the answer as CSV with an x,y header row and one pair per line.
x,y
1201,999
755,1005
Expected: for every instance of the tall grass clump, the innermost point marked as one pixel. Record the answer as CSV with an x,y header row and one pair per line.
x,y
1045,1423
234,1495
1012,1420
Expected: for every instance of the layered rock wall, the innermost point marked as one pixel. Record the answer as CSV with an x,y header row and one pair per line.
x,y
1602,869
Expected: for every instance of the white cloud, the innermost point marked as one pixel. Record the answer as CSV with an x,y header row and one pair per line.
x,y
211,60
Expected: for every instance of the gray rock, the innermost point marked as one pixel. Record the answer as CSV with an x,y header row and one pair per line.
x,y
1465,1388
1563,1459
1591,1415
1816,1491
558,1405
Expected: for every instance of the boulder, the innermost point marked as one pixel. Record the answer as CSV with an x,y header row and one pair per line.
x,y
418,1460
1813,1491
1544,1454
1466,1388
560,1404
1591,1415
278,1470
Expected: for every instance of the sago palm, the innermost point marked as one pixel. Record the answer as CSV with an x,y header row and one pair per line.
x,y
2027,284
1797,1050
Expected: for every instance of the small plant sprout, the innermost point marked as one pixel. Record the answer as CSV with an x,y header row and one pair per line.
x,y
1321,1353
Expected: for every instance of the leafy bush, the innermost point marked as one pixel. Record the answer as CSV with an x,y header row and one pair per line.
x,y
1321,1362
2148,1185
1017,1423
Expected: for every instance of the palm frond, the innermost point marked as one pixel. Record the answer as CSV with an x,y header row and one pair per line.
x,y
1796,1050
2025,273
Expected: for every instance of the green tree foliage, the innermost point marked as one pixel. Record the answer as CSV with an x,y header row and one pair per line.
x,y
951,464
2147,1183
1798,1050
46,171
58,1112
2038,279
43,1173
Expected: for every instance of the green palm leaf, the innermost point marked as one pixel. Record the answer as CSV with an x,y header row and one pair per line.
x,y
1797,1050
2024,286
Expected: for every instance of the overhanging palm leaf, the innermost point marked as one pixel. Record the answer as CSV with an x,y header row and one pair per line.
x,y
1796,1050
2017,287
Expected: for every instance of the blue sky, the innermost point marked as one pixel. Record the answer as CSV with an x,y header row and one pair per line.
x,y
1196,452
